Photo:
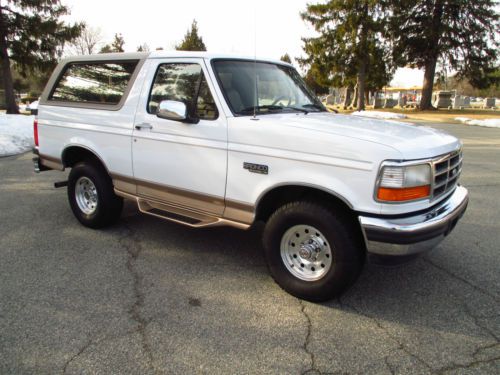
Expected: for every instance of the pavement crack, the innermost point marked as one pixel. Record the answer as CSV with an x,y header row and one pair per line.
x,y
134,248
388,365
476,321
453,368
399,344
312,369
93,342
486,347
465,281
79,353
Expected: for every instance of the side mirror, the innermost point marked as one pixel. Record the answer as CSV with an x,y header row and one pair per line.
x,y
174,110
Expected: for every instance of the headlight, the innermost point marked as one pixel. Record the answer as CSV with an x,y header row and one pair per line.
x,y
404,183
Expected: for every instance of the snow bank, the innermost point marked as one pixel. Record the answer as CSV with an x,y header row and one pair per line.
x,y
16,134
379,114
489,122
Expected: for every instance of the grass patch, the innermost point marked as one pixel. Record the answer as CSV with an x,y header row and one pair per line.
x,y
440,115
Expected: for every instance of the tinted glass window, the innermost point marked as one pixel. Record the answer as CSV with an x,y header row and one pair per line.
x,y
184,83
263,87
98,83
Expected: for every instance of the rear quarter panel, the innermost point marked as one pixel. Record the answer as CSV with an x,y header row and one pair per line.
x,y
107,133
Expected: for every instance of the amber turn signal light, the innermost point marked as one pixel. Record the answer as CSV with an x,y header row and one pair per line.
x,y
403,194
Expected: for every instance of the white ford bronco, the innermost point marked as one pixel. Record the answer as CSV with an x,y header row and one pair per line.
x,y
206,140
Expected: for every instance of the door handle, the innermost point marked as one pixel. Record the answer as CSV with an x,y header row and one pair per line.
x,y
144,125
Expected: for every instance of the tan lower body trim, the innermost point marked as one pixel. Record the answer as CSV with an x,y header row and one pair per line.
x,y
239,211
50,162
230,212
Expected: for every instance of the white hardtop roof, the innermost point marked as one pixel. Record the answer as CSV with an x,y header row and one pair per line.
x,y
165,55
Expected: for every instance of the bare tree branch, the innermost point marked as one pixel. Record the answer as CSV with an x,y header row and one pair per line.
x,y
88,42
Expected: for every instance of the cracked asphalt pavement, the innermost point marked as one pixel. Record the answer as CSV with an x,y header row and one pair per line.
x,y
148,296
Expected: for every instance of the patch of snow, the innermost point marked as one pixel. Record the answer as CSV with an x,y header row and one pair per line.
x,y
488,123
16,134
379,114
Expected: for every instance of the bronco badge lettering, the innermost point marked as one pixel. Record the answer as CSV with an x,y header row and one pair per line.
x,y
256,168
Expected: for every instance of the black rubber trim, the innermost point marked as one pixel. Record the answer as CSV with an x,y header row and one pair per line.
x,y
405,238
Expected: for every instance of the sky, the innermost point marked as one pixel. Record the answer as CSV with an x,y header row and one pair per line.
x,y
265,28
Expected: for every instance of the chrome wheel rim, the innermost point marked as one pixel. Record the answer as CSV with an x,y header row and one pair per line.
x,y
306,252
86,195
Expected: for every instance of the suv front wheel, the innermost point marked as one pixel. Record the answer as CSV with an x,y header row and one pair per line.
x,y
312,252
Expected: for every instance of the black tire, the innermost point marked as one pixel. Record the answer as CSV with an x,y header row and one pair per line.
x,y
346,247
109,206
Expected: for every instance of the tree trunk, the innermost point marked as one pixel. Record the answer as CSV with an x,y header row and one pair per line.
x,y
362,63
354,97
430,65
10,99
361,85
347,99
430,70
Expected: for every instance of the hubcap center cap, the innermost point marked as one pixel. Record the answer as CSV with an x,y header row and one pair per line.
x,y
310,250
305,252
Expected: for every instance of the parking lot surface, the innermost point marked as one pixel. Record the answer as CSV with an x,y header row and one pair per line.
x,y
149,296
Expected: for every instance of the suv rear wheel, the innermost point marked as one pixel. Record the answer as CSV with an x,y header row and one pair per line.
x,y
91,196
312,252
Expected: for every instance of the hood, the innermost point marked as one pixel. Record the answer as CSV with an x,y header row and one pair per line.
x,y
412,141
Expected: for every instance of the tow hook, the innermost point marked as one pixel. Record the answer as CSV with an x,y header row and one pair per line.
x,y
60,184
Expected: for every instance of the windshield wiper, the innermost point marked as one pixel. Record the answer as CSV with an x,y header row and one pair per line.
x,y
297,109
316,106
262,107
271,107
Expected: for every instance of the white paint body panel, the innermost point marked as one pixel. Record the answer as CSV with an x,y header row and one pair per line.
x,y
191,157
335,153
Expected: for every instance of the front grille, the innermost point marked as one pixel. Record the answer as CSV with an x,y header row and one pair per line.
x,y
447,170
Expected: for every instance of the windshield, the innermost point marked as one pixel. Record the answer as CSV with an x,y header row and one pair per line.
x,y
264,88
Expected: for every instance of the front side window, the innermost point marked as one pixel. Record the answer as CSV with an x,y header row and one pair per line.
x,y
263,87
184,83
94,82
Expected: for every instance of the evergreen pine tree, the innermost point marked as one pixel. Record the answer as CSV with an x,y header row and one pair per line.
x,y
143,48
32,36
115,46
351,48
192,41
461,32
286,58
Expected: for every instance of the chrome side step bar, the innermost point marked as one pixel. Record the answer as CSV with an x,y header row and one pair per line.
x,y
172,213
179,215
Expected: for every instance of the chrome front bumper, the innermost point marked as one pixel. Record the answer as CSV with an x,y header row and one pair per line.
x,y
406,235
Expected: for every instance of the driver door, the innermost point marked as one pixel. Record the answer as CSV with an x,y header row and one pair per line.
x,y
175,162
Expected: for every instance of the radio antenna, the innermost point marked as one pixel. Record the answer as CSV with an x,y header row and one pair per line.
x,y
256,99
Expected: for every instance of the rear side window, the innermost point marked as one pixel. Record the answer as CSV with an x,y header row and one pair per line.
x,y
94,82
